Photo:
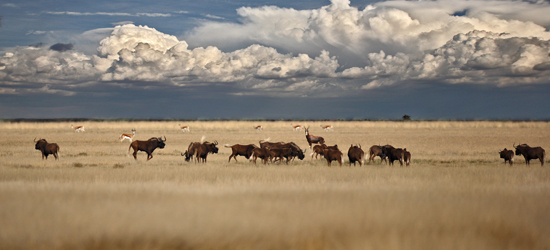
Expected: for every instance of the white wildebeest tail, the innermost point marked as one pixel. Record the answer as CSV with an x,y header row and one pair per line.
x,y
203,138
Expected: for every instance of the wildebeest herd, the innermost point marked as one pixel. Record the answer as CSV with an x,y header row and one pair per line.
x,y
276,152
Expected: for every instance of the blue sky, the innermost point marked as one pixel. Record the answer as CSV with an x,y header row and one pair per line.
x,y
275,59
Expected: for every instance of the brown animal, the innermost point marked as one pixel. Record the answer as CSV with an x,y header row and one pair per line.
x,y
147,146
333,154
78,128
394,154
130,137
278,151
183,128
311,139
356,154
326,127
318,150
530,153
266,143
203,150
377,150
242,150
191,150
296,127
46,148
407,157
507,155
262,153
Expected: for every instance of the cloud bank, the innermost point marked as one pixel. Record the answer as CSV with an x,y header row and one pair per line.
x,y
335,50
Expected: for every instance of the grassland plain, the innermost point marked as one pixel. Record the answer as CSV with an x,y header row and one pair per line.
x,y
457,194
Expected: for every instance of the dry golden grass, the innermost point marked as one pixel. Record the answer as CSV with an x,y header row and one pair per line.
x,y
457,194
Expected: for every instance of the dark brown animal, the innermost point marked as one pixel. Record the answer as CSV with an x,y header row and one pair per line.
x,y
356,154
147,146
279,151
311,139
191,150
530,153
242,150
507,155
407,157
318,150
394,154
266,143
203,150
262,153
46,148
277,154
333,154
377,150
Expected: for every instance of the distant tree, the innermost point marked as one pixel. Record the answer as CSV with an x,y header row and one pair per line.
x,y
406,118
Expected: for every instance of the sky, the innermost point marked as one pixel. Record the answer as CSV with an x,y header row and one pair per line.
x,y
244,59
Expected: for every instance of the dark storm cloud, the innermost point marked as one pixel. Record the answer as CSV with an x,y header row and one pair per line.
x,y
61,47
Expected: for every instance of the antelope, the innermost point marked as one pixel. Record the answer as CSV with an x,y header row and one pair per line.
x,y
130,137
311,139
78,128
296,127
184,128
327,127
258,128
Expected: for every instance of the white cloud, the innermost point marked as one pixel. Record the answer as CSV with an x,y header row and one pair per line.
x,y
330,51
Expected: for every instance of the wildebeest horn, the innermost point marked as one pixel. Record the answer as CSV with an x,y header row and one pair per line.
x,y
515,146
359,145
34,139
215,142
164,138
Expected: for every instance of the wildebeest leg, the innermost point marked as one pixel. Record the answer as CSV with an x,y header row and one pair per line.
x,y
55,155
135,154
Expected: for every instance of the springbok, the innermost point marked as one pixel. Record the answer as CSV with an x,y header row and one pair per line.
x,y
311,139
296,127
78,128
327,127
184,128
130,137
258,128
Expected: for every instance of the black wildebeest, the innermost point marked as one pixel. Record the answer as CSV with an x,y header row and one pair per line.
x,y
191,149
356,154
311,139
46,148
407,157
318,150
507,155
286,150
333,154
394,154
147,146
262,153
377,150
242,150
530,153
203,150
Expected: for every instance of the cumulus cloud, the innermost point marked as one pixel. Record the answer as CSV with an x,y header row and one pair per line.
x,y
330,51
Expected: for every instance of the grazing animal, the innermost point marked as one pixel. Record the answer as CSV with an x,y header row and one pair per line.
x,y
394,154
279,151
147,146
327,127
258,128
78,128
46,148
333,154
530,153
184,128
191,150
242,150
262,153
127,136
311,139
296,127
266,143
203,150
377,150
356,154
507,155
318,150
407,157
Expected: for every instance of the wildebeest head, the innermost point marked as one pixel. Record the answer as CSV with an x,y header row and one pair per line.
x,y
40,143
161,143
520,148
212,146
